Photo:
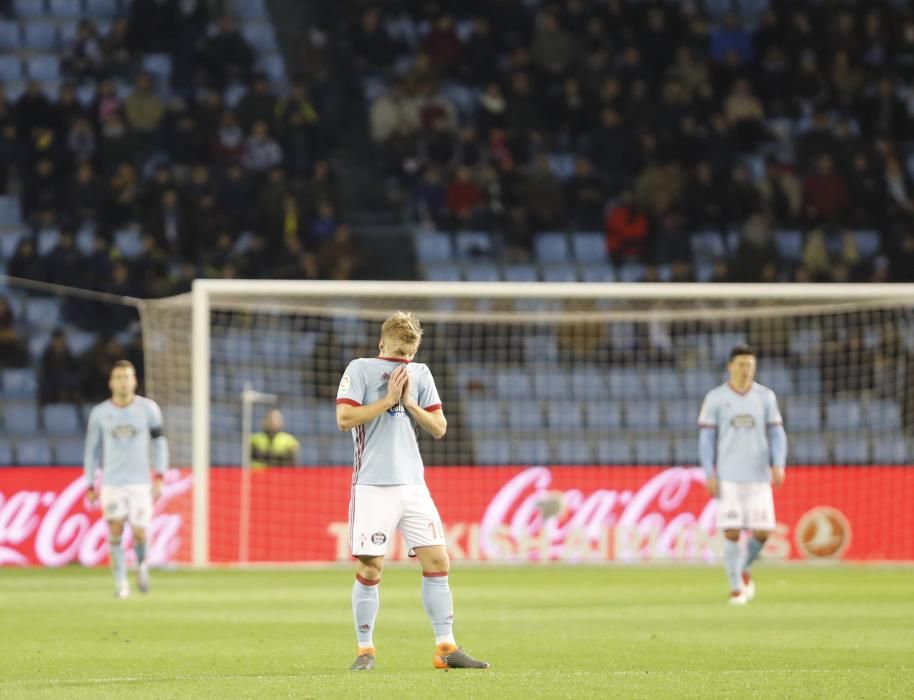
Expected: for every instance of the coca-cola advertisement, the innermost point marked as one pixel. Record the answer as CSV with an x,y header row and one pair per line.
x,y
511,514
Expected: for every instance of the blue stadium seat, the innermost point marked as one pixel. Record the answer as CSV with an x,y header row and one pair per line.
x,y
652,451
804,342
597,272
260,35
442,272
309,454
565,415
560,272
33,452
475,380
530,452
79,340
323,418
10,68
10,39
589,248
551,247
613,451
664,383
6,453
698,382
225,451
47,239
631,272
493,451
8,242
513,384
19,384
588,382
101,8
159,65
642,415
251,9
685,450
808,380
273,65
540,348
432,246
482,272
789,245
549,383
129,242
777,378
603,415
723,343
707,246
681,414
802,413
869,243
883,416
569,451
483,415
224,419
42,313
69,452
67,29
85,241
43,67
65,8
625,382
20,418
338,452
843,415
520,273
30,8
60,419
852,450
524,415
807,448
890,451
10,211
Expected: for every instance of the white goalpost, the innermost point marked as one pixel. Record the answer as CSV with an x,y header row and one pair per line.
x,y
530,374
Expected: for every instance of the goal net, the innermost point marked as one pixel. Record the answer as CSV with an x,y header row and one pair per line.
x,y
571,412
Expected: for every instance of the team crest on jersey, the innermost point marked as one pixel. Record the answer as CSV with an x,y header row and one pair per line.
x,y
743,420
378,538
124,432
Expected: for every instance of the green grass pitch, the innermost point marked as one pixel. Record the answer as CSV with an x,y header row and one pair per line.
x,y
549,632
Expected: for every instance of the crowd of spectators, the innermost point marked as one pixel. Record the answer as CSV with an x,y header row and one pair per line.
x,y
651,121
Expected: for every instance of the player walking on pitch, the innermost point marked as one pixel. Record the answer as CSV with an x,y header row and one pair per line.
x,y
384,401
743,450
118,439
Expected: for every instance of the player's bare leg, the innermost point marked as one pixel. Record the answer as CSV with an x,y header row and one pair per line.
x,y
732,563
439,605
753,549
365,604
116,555
142,568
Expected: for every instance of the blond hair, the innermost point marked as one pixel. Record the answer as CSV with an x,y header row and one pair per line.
x,y
404,332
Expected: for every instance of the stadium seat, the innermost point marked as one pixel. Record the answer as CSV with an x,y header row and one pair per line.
x,y
540,348
551,247
685,450
681,414
664,383
852,450
513,384
625,382
524,416
10,68
777,378
69,452
273,65
225,451
483,415
19,384
707,246
65,8
20,418
40,35
10,211
883,416
603,415
789,245
613,451
475,380
802,413
808,380
565,415
47,239
60,419
260,35
597,272
520,273
570,451
642,415
843,415
442,272
309,454
432,247
631,272
6,453
338,452
530,452
158,65
652,451
549,383
697,382
805,342
101,8
869,243
492,451
43,67
30,8
588,382
482,272
8,242
225,419
10,38
251,9
890,451
589,248
33,452
129,241
79,340
808,448
560,272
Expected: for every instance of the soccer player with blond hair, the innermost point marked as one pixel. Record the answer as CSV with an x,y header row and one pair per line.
x,y
384,401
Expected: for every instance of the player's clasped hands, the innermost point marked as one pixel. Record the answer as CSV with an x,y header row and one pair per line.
x,y
399,380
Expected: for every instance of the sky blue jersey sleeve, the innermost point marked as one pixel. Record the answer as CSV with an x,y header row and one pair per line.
x,y
428,392
352,386
159,442
707,434
92,451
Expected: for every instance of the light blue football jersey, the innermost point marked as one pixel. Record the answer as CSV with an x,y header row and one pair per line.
x,y
119,438
742,421
387,447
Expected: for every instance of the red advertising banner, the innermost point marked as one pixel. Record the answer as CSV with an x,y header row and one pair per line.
x,y
569,514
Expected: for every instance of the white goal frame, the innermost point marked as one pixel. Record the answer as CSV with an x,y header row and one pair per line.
x,y
206,291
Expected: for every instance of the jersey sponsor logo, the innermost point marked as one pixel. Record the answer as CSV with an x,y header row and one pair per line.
x,y
743,420
124,432
823,533
345,383
397,411
378,538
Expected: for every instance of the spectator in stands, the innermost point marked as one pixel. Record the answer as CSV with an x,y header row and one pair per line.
x,y
84,59
81,141
58,373
95,364
338,257
272,446
228,55
627,229
42,194
116,52
63,263
13,352
464,198
169,226
33,109
261,151
144,109
756,258
152,25
228,144
825,195
122,198
427,199
258,104
828,248
116,144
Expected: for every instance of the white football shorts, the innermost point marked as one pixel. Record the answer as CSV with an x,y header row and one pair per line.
x,y
745,505
131,502
376,512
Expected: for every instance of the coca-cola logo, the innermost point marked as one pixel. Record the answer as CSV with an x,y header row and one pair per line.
x,y
62,531
823,533
651,521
